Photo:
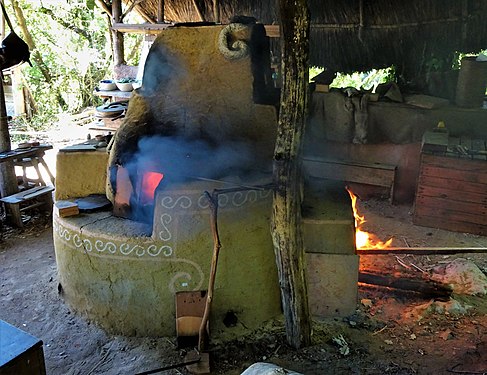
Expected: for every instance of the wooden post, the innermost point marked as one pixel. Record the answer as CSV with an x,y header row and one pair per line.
x,y
216,11
117,37
286,219
8,180
160,11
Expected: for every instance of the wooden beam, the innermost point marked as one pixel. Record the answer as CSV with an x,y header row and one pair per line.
x,y
143,14
160,11
427,287
216,11
423,250
198,10
272,31
153,28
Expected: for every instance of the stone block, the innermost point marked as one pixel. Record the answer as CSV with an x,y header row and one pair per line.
x,y
332,284
327,217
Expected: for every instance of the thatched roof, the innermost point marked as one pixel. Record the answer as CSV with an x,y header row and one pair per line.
x,y
358,35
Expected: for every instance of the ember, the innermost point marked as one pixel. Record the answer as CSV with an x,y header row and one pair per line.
x,y
363,239
150,181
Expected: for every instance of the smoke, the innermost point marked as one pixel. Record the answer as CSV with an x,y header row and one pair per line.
x,y
182,159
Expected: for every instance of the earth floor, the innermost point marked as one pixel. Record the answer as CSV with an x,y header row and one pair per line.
x,y
391,332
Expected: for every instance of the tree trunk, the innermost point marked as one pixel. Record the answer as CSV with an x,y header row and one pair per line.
x,y
286,220
117,37
8,180
35,54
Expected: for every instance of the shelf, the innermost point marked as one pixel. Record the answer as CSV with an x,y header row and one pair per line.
x,y
113,94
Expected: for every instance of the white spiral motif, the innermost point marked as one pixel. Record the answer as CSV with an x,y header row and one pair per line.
x,y
101,246
87,245
125,249
64,233
203,201
169,202
154,251
78,242
172,283
239,198
165,234
140,250
223,200
175,279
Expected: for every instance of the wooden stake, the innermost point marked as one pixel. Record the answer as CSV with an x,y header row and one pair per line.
x,y
213,201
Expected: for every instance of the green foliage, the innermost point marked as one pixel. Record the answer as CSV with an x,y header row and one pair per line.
x,y
72,44
71,39
364,80
359,80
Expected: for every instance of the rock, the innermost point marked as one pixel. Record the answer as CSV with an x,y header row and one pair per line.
x,y
463,276
451,307
446,335
366,302
262,368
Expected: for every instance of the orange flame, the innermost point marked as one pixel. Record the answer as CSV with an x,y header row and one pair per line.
x,y
150,181
363,239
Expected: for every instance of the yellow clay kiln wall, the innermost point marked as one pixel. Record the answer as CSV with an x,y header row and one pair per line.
x,y
79,174
126,282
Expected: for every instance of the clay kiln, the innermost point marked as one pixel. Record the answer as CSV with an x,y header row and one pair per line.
x,y
203,119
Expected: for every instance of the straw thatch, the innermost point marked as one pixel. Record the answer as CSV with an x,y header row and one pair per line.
x,y
357,35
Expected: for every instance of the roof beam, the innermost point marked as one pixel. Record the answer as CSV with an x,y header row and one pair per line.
x,y
155,28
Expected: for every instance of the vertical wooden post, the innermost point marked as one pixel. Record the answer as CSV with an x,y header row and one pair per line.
x,y
216,11
8,180
286,219
117,37
160,11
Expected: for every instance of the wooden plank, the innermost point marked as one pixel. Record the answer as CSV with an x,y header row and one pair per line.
x,y
455,226
454,195
454,163
467,207
27,194
460,185
452,174
352,172
151,28
449,214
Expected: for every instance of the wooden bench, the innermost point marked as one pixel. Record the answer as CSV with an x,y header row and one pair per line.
x,y
26,200
376,174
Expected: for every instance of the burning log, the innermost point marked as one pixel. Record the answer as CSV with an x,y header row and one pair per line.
x,y
428,288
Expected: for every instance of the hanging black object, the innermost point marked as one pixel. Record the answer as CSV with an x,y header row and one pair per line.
x,y
13,49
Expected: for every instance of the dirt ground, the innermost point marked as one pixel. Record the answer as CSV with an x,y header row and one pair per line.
x,y
390,333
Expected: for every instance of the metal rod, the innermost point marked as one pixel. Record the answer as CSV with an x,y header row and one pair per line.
x,y
250,187
422,250
170,367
